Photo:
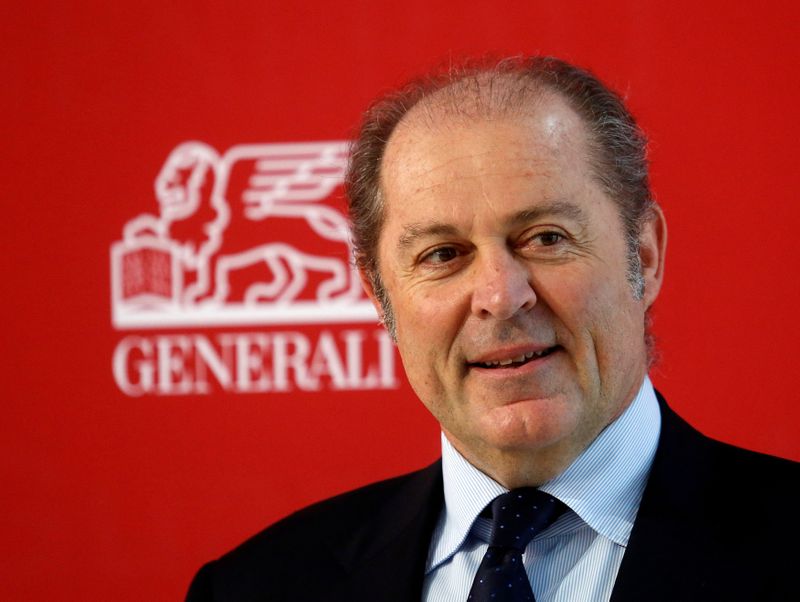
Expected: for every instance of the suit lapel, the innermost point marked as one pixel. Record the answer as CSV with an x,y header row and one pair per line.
x,y
385,559
665,556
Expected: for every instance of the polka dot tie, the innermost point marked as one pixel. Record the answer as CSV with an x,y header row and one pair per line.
x,y
517,517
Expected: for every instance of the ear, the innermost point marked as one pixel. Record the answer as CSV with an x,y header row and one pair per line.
x,y
369,288
652,250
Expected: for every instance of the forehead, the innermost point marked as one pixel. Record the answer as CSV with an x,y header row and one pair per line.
x,y
436,152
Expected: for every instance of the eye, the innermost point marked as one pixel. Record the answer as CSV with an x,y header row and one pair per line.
x,y
548,239
440,255
544,243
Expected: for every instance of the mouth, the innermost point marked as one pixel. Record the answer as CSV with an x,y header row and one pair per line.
x,y
516,361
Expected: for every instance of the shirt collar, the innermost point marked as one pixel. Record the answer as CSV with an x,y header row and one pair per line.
x,y
603,486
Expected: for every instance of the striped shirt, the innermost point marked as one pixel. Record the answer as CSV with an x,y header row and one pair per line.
x,y
576,558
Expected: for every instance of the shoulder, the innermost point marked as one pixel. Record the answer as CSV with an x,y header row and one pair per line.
x,y
341,515
715,487
717,473
711,510
330,535
759,469
721,466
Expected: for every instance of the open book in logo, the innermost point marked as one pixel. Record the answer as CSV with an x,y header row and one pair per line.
x,y
250,237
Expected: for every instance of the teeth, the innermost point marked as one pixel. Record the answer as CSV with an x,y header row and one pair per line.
x,y
515,360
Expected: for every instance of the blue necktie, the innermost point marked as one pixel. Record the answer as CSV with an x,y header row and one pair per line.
x,y
517,517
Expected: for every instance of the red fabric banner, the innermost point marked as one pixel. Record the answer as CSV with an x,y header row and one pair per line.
x,y
188,355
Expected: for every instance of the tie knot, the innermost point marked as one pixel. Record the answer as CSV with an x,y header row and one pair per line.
x,y
519,515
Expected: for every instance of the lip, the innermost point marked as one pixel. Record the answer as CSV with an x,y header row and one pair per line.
x,y
513,372
506,353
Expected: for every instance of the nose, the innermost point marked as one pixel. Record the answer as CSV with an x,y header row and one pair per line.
x,y
502,286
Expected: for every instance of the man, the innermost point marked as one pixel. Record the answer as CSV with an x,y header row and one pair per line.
x,y
505,230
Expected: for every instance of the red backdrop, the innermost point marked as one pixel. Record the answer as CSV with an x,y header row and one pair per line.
x,y
108,496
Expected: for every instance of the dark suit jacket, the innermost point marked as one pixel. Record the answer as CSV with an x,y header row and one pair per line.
x,y
715,523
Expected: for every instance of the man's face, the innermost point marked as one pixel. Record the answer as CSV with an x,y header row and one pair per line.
x,y
506,268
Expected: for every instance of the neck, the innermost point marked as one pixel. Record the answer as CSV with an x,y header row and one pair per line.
x,y
516,468
525,466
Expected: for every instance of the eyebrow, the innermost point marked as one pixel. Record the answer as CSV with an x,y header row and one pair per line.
x,y
551,208
415,231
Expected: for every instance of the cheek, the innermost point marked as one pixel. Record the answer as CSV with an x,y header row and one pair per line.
x,y
593,309
428,320
430,324
614,330
426,331
576,299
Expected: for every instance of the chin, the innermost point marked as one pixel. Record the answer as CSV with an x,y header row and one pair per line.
x,y
529,425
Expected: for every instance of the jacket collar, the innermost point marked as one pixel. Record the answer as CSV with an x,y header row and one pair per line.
x,y
384,555
664,555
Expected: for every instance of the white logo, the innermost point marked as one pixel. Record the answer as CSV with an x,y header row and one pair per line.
x,y
242,238
251,237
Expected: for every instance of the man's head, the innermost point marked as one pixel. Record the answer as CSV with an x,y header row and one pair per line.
x,y
617,147
503,223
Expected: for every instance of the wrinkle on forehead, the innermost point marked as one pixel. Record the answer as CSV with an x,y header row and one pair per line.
x,y
492,98
484,96
418,150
